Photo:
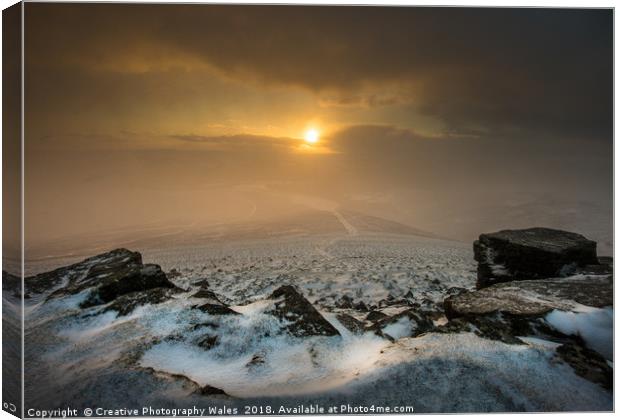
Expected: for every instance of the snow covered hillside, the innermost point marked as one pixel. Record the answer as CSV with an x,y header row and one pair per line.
x,y
350,318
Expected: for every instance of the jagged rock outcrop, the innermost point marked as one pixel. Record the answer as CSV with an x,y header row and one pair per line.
x,y
114,274
302,319
532,297
211,302
523,275
351,323
533,253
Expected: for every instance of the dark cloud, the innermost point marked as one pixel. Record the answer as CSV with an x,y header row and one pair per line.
x,y
503,69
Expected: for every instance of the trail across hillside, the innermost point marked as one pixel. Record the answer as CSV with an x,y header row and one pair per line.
x,y
351,230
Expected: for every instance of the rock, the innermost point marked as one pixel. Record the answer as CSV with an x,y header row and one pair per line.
x,y
400,302
456,325
202,283
205,293
420,323
505,311
345,302
125,304
597,269
212,303
533,253
208,342
350,323
532,297
361,306
502,327
134,279
455,291
587,364
374,316
110,275
215,309
204,325
257,360
302,318
210,390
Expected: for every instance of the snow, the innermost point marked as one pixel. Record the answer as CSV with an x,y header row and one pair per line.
x,y
291,367
594,325
401,328
366,267
75,354
518,377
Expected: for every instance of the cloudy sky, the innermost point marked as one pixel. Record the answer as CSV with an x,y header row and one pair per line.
x,y
449,119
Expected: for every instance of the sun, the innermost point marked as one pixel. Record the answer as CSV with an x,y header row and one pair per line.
x,y
311,136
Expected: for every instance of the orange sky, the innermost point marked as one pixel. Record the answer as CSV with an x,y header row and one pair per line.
x,y
131,109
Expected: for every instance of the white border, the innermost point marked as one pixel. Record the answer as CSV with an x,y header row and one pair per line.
x,y
478,3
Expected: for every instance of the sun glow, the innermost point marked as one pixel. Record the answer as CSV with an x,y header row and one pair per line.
x,y
311,136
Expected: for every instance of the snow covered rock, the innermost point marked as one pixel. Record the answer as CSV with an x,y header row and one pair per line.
x,y
210,390
83,274
108,276
302,319
208,341
533,253
497,326
351,323
575,312
587,363
125,304
374,316
212,303
407,323
533,297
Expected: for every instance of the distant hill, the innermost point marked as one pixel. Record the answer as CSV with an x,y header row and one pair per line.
x,y
306,222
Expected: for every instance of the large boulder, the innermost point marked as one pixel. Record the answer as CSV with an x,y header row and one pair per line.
x,y
301,318
108,276
533,253
532,297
